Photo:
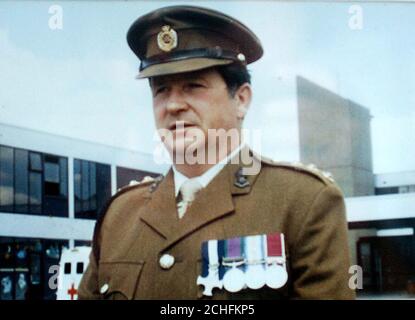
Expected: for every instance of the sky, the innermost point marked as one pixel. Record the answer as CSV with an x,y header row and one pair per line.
x,y
79,80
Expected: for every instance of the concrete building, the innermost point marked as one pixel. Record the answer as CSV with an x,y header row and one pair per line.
x,y
335,135
381,234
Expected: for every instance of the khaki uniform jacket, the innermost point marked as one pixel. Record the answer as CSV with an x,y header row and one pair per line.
x,y
141,224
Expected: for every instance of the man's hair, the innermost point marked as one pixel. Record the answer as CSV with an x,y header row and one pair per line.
x,y
234,75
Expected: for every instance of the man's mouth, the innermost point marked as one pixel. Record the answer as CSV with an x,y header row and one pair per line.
x,y
181,125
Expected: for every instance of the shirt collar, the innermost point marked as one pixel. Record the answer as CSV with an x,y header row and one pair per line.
x,y
206,177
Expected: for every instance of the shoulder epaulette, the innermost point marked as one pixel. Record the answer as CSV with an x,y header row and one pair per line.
x,y
324,176
133,184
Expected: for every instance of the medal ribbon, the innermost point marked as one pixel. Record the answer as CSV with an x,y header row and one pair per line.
x,y
221,253
275,244
205,259
234,248
254,249
210,256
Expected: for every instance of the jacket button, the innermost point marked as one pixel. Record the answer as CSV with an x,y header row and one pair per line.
x,y
104,288
166,261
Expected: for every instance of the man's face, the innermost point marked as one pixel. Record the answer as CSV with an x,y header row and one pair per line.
x,y
190,103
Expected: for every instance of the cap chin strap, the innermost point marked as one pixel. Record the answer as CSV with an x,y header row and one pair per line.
x,y
213,53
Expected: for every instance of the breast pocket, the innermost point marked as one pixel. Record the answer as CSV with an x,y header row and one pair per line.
x,y
118,280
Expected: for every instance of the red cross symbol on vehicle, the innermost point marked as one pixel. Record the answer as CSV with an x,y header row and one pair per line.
x,y
72,291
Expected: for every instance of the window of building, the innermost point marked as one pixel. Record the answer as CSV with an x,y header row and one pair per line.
x,y
21,178
395,190
25,267
83,243
6,179
35,194
92,188
63,169
33,183
52,176
407,189
35,162
386,190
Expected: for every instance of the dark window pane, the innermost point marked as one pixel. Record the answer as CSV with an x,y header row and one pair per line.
x,y
52,176
103,185
6,179
63,169
67,268
6,255
35,268
51,158
52,172
21,287
21,176
51,189
77,185
79,267
82,243
35,162
35,191
54,202
85,186
7,284
21,258
386,190
52,252
92,186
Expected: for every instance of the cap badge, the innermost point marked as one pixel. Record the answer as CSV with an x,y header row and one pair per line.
x,y
167,38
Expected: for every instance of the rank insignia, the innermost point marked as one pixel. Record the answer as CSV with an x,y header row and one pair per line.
x,y
167,39
243,262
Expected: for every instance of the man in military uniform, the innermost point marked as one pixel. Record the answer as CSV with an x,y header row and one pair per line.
x,y
215,229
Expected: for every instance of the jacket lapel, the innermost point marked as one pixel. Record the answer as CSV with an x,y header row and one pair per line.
x,y
160,210
212,203
216,200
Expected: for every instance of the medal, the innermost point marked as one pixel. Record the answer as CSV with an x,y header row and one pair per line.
x,y
276,274
210,268
234,278
255,260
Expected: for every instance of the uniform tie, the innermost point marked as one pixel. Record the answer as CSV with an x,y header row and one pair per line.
x,y
187,192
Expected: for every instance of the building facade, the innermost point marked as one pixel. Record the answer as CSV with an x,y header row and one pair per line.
x,y
335,136
52,190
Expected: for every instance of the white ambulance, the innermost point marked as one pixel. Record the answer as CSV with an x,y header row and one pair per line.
x,y
72,266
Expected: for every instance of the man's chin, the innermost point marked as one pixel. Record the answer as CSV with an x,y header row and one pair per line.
x,y
182,149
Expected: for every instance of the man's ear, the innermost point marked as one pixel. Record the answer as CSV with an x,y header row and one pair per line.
x,y
243,98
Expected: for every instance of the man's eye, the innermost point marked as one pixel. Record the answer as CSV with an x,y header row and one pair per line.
x,y
194,85
159,90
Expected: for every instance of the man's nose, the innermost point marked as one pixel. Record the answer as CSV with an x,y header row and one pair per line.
x,y
176,101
